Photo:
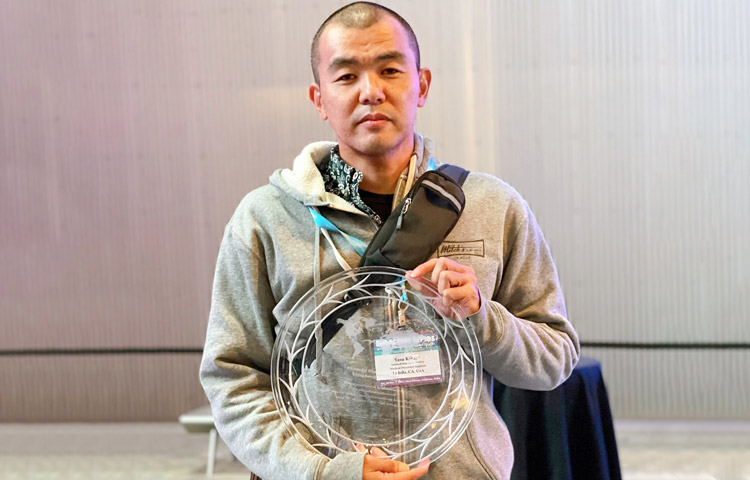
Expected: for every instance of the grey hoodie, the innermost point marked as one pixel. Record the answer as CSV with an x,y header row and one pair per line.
x,y
272,254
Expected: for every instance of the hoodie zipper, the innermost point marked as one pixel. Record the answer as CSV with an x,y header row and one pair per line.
x,y
404,209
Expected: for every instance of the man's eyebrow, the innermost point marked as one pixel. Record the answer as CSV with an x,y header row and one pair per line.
x,y
393,55
341,62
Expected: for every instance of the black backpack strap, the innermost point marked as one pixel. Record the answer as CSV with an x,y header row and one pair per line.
x,y
456,173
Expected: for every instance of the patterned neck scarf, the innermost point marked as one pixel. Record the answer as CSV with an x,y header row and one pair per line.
x,y
343,180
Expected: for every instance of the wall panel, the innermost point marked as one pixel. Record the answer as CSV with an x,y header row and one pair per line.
x,y
129,131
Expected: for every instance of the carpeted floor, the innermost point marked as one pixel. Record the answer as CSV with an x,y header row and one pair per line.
x,y
110,451
648,451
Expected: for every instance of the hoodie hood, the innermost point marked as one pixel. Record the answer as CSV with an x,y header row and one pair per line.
x,y
305,183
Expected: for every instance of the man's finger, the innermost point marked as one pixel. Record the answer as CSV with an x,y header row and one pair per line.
x,y
437,272
418,472
460,293
449,279
378,452
384,465
417,284
415,473
423,269
455,285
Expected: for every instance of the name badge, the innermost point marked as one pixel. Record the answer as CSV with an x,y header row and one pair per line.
x,y
407,359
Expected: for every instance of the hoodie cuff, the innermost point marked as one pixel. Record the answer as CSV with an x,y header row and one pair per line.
x,y
344,466
481,322
479,317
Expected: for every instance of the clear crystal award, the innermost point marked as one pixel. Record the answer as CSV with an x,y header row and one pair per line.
x,y
370,358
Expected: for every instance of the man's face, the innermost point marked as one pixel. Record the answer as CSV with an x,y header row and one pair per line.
x,y
370,89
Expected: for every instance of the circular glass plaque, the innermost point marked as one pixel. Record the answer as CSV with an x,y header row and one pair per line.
x,y
369,358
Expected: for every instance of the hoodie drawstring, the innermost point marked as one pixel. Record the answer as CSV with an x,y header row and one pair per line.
x,y
318,316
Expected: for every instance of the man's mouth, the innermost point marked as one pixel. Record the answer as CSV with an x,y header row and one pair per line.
x,y
373,119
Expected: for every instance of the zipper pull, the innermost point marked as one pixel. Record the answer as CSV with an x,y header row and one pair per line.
x,y
407,202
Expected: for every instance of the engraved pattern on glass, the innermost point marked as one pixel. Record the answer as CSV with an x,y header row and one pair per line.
x,y
324,379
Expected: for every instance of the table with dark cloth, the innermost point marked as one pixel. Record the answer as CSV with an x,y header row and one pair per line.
x,y
566,433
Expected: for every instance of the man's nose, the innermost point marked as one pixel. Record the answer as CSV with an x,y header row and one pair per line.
x,y
371,92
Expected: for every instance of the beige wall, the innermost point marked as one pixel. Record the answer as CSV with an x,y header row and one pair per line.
x,y
129,130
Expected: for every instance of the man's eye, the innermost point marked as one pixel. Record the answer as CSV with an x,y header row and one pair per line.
x,y
391,71
345,78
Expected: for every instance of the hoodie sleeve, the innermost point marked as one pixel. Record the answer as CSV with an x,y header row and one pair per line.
x,y
524,335
235,373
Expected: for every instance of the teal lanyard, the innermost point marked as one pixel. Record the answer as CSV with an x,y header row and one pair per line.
x,y
355,242
358,245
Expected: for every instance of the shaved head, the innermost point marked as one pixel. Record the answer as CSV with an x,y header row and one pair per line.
x,y
359,15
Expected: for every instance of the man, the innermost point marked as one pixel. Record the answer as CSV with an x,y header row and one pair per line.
x,y
495,264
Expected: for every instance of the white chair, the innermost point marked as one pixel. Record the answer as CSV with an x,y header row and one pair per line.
x,y
201,421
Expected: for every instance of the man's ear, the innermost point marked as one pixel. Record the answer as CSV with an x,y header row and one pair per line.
x,y
425,77
315,99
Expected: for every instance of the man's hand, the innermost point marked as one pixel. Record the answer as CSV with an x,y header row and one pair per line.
x,y
456,284
378,466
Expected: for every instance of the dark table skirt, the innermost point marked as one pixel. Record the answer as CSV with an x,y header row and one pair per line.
x,y
566,433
